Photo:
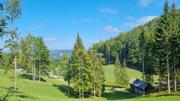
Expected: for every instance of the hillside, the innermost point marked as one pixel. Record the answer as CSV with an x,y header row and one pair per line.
x,y
54,90
127,44
109,74
29,90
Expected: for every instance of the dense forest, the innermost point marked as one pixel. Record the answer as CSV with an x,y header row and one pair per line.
x,y
152,48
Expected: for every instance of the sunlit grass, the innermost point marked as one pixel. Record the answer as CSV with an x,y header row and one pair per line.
x,y
109,74
49,91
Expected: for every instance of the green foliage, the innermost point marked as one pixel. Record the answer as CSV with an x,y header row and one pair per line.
x,y
82,69
42,56
14,9
65,68
166,38
53,90
120,73
6,61
10,11
117,72
34,54
64,64
98,73
154,46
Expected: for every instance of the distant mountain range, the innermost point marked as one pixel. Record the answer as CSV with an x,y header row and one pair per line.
x,y
58,53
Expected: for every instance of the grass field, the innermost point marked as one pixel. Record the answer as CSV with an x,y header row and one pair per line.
x,y
52,90
109,74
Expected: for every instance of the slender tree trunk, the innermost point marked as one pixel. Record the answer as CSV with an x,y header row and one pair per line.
x,y
109,58
69,83
39,74
34,72
68,86
168,74
143,73
82,93
94,82
79,85
175,86
175,83
95,93
79,93
15,66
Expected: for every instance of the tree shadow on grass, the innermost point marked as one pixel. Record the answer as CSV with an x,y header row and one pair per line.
x,y
26,97
167,94
29,77
11,93
117,95
66,90
5,97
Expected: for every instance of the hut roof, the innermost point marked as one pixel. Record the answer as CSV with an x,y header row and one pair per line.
x,y
139,83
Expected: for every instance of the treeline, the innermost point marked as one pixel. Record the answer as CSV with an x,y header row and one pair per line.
x,y
83,70
29,54
34,56
153,48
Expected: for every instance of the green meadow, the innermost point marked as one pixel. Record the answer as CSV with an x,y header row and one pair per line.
x,y
55,90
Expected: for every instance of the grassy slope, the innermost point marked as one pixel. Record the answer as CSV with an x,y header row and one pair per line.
x,y
42,91
109,72
49,91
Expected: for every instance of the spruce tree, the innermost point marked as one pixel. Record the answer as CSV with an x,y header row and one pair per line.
x,y
42,57
142,52
162,36
64,65
98,72
120,73
117,72
174,41
82,69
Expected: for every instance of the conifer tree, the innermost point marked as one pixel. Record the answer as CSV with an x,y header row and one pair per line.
x,y
64,64
117,72
142,52
42,57
98,72
120,73
82,69
174,41
162,36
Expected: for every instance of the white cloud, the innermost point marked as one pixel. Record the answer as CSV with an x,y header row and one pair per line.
x,y
129,24
110,29
139,21
145,3
108,11
145,19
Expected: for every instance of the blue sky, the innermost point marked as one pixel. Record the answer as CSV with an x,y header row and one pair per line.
x,y
58,21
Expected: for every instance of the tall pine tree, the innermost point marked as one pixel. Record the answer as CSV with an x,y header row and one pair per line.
x,y
162,36
82,69
120,73
98,72
174,42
